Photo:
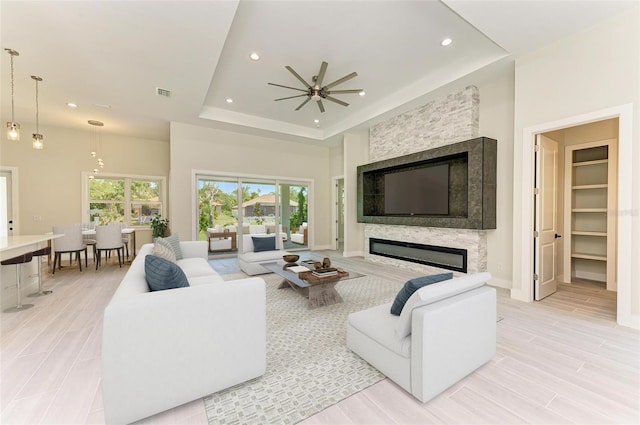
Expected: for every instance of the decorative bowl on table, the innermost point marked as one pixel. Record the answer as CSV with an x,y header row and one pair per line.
x,y
290,258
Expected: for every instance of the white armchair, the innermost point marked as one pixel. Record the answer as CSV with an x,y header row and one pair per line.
x,y
451,329
249,260
302,236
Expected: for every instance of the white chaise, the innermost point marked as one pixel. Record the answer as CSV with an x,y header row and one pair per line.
x,y
449,333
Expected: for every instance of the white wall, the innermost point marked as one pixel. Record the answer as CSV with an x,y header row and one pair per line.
x,y
50,179
589,71
496,122
211,150
356,152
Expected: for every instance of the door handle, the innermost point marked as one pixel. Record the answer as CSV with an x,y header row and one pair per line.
x,y
557,236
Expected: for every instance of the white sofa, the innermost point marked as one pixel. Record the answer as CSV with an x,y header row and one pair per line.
x,y
166,348
249,260
452,332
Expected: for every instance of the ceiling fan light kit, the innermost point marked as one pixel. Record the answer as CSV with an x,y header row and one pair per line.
x,y
316,91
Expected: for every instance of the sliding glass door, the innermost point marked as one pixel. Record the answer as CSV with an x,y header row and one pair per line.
x,y
230,207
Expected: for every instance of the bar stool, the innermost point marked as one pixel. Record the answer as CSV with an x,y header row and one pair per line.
x,y
40,253
21,259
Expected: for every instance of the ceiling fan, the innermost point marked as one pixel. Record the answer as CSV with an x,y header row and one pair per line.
x,y
316,91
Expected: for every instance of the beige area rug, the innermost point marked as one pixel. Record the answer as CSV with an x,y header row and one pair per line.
x,y
309,366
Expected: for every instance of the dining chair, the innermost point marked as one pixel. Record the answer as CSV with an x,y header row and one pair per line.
x,y
109,238
125,239
90,240
71,242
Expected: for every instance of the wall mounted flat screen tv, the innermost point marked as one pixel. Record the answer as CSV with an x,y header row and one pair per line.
x,y
421,191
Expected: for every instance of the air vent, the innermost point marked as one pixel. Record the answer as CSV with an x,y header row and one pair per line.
x,y
163,92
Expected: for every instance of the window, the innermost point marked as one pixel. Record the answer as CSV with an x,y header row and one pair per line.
x,y
129,199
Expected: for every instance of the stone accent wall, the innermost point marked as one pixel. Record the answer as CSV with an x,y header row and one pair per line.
x,y
451,119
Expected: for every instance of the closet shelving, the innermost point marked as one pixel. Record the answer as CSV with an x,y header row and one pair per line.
x,y
590,201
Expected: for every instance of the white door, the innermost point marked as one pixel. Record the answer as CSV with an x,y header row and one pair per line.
x,y
6,209
545,247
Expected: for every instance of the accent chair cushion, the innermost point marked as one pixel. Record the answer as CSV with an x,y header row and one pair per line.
x,y
163,251
264,243
162,274
412,286
433,293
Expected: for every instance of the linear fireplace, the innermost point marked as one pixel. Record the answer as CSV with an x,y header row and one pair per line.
x,y
438,256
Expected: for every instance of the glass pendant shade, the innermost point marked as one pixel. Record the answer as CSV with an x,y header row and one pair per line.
x,y
13,131
38,141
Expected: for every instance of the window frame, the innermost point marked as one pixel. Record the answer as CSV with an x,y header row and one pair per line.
x,y
128,202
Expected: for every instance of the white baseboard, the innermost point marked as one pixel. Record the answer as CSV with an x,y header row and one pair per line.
x,y
630,320
500,283
353,254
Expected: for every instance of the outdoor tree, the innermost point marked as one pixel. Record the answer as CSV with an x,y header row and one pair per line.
x,y
257,210
302,206
207,194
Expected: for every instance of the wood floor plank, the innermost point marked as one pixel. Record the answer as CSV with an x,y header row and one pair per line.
x,y
567,355
52,372
521,406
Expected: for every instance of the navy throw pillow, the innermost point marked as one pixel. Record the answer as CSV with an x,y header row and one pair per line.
x,y
162,274
264,244
412,286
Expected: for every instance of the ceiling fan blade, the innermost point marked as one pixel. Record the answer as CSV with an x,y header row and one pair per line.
x,y
344,91
290,97
341,80
320,105
323,69
286,87
339,102
298,76
303,103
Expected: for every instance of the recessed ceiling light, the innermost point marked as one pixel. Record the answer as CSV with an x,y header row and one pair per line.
x,y
446,42
72,105
102,105
316,121
254,56
362,93
229,100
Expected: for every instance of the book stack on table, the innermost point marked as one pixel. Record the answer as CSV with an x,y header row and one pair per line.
x,y
325,272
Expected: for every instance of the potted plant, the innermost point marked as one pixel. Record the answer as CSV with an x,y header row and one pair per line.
x,y
159,226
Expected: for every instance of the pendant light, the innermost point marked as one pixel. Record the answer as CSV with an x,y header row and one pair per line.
x,y
38,139
95,144
13,128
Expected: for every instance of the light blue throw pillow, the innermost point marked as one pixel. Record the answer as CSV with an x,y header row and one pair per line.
x,y
172,242
412,286
264,243
162,274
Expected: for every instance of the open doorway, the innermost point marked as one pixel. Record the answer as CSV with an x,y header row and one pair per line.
x,y
338,213
575,223
623,231
8,198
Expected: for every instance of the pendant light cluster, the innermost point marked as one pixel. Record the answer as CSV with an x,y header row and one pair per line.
x,y
13,128
95,145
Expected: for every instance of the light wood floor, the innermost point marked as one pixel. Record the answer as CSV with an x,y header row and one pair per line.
x,y
562,360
